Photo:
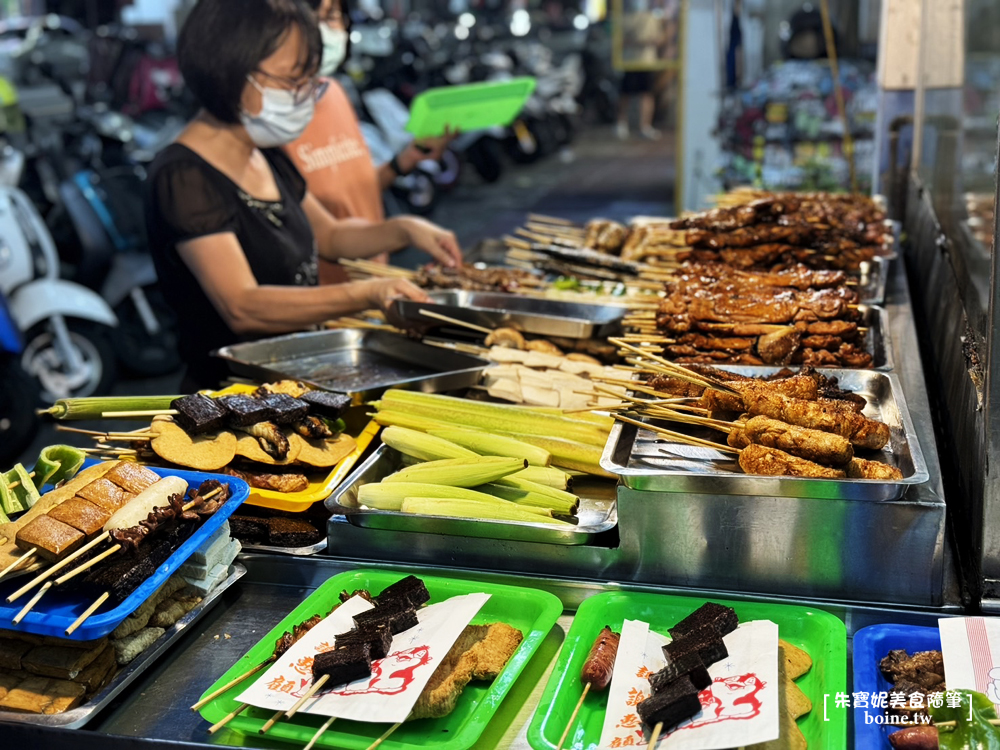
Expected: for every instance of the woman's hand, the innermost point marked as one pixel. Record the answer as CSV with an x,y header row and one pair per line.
x,y
381,293
437,145
439,243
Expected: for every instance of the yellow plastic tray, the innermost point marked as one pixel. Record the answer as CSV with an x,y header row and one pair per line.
x,y
363,431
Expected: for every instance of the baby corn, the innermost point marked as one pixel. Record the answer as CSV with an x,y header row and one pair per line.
x,y
390,495
487,444
422,446
499,511
459,472
547,475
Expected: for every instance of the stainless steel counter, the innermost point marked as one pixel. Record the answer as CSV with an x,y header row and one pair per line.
x,y
156,713
849,550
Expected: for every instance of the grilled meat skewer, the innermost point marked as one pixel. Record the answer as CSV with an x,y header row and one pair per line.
x,y
828,416
763,461
813,445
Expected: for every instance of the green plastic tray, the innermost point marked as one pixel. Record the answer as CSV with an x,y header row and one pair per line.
x,y
472,106
531,611
819,633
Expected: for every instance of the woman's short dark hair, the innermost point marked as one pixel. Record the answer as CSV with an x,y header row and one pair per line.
x,y
224,41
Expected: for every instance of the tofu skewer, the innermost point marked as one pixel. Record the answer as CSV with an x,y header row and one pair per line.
x,y
49,537
128,514
146,500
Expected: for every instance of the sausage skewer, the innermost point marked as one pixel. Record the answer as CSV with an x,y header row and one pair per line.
x,y
596,673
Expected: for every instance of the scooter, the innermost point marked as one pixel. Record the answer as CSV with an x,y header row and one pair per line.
x,y
18,392
66,327
105,208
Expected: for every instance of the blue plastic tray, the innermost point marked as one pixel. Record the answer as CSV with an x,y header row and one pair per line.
x,y
56,612
871,645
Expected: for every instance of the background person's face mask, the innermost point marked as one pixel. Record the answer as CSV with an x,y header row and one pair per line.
x,y
334,49
281,120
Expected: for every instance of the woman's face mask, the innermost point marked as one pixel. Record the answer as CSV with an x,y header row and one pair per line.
x,y
283,117
334,49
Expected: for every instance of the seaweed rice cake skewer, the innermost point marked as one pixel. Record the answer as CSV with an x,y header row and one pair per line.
x,y
198,413
288,410
326,404
411,587
243,411
343,665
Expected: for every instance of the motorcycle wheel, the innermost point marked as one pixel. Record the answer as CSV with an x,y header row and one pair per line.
x,y
484,156
451,169
139,352
41,358
420,196
18,396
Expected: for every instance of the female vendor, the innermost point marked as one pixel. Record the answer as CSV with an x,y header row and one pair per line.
x,y
233,230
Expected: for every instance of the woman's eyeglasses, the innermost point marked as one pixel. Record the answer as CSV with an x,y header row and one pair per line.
x,y
302,91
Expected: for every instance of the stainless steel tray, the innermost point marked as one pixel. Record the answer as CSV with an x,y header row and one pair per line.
x,y
877,340
77,717
310,549
598,510
537,315
362,363
872,280
637,455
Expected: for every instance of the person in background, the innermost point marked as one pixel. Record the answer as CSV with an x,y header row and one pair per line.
x,y
643,35
233,229
332,155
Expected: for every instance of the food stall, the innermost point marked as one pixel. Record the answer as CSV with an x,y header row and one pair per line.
x,y
822,556
837,553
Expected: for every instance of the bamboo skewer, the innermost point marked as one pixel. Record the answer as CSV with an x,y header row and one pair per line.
x,y
674,416
16,563
319,733
515,242
316,686
459,347
377,269
655,736
270,722
543,219
455,321
88,612
15,485
556,231
231,684
681,373
87,565
385,736
34,600
572,716
57,567
678,436
228,718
